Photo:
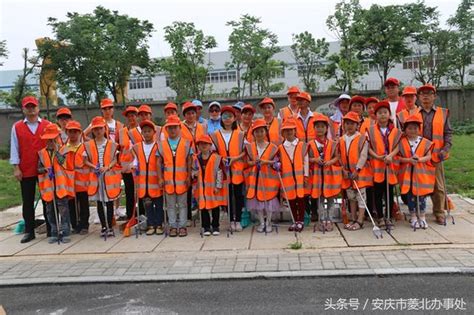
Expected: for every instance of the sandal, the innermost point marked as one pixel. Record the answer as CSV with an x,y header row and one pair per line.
x,y
348,225
355,228
173,232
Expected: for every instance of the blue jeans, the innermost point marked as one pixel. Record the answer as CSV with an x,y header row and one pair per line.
x,y
62,208
412,203
154,211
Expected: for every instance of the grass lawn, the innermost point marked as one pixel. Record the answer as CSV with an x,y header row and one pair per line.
x,y
459,173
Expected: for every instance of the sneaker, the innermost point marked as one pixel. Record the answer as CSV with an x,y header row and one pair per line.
x,y
110,232
150,231
173,232
216,232
299,226
103,232
424,224
232,226
269,228
52,240
159,230
65,239
261,228
84,232
207,233
183,232
238,227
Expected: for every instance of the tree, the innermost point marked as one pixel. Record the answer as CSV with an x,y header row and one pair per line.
x,y
462,46
252,48
345,67
309,53
3,50
187,68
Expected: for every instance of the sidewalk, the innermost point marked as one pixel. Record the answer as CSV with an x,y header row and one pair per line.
x,y
439,249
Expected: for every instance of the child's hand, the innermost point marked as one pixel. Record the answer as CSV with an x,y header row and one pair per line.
x,y
251,163
388,159
380,157
413,161
160,182
103,169
216,191
345,173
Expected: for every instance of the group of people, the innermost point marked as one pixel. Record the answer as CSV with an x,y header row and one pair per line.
x,y
240,157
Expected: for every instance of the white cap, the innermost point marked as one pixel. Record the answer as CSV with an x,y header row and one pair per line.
x,y
214,103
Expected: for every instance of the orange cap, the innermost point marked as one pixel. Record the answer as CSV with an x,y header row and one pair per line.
x,y
73,125
288,123
267,100
63,111
427,87
371,100
318,117
51,131
409,90
29,100
229,109
352,116
382,104
171,106
173,120
204,139
145,109
293,90
248,107
148,123
413,119
130,109
106,102
393,81
258,123
357,99
188,105
98,121
304,96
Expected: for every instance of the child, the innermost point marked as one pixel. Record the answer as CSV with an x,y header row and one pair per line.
x,y
104,180
146,178
326,174
294,171
356,170
267,107
263,182
74,153
56,185
384,138
370,103
63,116
229,143
245,124
209,193
304,119
409,97
175,156
417,174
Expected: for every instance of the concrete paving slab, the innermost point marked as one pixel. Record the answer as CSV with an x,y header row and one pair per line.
x,y
460,233
94,243
319,240
44,248
12,245
192,242
235,241
273,240
365,237
144,243
404,234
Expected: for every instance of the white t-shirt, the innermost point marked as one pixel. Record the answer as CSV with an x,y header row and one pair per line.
x,y
393,111
147,149
348,140
111,126
226,135
414,144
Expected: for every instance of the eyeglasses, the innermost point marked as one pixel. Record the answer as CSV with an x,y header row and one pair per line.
x,y
214,110
227,116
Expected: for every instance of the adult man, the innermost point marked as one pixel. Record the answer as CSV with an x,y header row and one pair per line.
x,y
392,86
25,144
292,108
437,128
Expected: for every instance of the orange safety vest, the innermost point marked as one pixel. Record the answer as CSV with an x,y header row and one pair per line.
x,y
349,161
63,182
112,178
247,133
326,180
305,134
175,165
235,148
187,134
439,120
126,143
75,162
206,183
335,130
366,124
292,170
419,179
286,112
376,142
263,184
403,116
274,128
146,182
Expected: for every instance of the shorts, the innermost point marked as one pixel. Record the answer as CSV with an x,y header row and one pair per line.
x,y
353,195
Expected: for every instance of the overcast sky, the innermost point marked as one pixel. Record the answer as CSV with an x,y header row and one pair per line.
x,y
22,21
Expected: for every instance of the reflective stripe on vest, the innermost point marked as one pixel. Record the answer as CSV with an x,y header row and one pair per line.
x,y
175,171
377,144
206,183
263,184
349,162
63,183
439,120
327,179
235,148
147,179
292,170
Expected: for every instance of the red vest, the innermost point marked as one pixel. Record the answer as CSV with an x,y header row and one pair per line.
x,y
28,146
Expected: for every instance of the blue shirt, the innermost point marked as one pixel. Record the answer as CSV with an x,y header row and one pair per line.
x,y
213,125
174,145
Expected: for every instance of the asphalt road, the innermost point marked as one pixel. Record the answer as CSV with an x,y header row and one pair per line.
x,y
263,296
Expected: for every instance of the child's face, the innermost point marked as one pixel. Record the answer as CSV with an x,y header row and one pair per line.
x,y
357,107
190,116
289,134
344,106
383,115
51,144
227,119
410,100
260,133
370,108
303,104
63,120
132,118
108,112
98,132
267,110
350,126
73,135
247,116
170,112
412,130
148,133
204,147
321,128
144,116
173,131
292,99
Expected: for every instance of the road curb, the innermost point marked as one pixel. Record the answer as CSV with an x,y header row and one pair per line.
x,y
237,276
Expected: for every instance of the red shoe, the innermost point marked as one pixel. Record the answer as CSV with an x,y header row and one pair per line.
x,y
299,226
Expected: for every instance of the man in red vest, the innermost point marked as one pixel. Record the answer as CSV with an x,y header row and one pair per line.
x,y
25,144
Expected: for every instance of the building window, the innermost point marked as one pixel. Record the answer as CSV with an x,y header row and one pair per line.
x,y
232,76
278,73
140,83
